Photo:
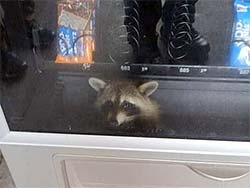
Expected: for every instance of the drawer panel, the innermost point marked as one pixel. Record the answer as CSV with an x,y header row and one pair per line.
x,y
87,172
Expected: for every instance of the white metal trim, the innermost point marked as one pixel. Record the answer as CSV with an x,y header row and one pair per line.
x,y
4,129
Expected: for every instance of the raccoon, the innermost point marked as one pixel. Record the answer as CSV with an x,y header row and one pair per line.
x,y
124,105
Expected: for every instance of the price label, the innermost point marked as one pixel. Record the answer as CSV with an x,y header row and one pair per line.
x,y
184,70
144,69
125,68
86,67
244,71
203,70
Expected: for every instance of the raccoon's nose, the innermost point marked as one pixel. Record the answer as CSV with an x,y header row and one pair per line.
x,y
114,123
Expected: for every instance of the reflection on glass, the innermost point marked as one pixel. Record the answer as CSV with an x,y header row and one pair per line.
x,y
157,68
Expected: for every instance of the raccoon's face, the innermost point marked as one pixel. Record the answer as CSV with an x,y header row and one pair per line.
x,y
122,102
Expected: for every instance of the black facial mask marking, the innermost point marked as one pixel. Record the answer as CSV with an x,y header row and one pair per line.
x,y
130,108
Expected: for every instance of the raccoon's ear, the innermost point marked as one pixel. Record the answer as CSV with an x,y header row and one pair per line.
x,y
148,88
97,84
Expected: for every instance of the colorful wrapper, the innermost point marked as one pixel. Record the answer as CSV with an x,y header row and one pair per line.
x,y
76,30
240,48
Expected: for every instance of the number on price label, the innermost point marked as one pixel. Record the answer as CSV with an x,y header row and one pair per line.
x,y
184,70
144,69
244,71
203,70
125,68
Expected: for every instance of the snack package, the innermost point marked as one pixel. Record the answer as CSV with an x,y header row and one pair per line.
x,y
240,48
76,30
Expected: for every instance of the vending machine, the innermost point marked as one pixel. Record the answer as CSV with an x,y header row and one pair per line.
x,y
126,93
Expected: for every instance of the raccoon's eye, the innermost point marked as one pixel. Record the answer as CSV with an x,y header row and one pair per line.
x,y
108,105
128,106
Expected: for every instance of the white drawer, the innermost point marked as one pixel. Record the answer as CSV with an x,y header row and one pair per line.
x,y
91,172
107,172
